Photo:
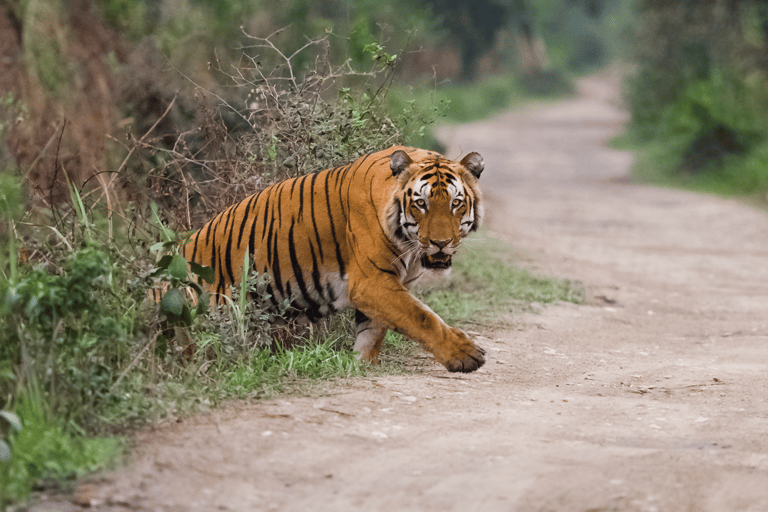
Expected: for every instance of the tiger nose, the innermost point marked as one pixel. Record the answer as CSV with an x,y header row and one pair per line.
x,y
440,243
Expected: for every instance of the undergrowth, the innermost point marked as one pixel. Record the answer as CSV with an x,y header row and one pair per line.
x,y
711,138
698,97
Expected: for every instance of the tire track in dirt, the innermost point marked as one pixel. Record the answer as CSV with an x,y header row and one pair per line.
x,y
651,397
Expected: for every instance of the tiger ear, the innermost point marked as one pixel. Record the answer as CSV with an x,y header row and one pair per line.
x,y
474,164
399,161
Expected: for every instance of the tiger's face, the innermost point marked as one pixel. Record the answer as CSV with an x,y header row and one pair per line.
x,y
438,206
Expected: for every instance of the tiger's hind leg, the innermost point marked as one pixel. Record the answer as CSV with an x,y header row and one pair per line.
x,y
369,335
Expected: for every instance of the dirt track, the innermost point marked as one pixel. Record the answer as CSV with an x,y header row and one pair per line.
x,y
653,397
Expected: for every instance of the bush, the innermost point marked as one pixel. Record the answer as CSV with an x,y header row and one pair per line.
x,y
699,97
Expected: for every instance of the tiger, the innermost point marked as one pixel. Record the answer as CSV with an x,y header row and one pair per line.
x,y
356,235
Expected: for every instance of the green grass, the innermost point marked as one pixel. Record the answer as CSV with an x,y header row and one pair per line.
x,y
486,288
286,370
47,454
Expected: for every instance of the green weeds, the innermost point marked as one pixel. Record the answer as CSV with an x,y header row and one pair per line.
x,y
47,453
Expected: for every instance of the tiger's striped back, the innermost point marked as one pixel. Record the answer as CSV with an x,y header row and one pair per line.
x,y
292,231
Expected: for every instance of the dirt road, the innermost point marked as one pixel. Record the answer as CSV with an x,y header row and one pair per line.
x,y
652,397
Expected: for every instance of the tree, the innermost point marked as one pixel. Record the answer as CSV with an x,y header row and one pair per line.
x,y
473,24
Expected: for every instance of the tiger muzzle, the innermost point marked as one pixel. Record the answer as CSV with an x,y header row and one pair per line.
x,y
439,260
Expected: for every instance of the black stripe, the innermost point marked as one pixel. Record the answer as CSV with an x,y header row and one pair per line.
x,y
339,260
213,244
314,221
194,247
269,232
266,212
245,219
301,197
316,272
386,271
228,252
208,232
279,192
297,271
274,255
271,294
339,182
221,287
252,236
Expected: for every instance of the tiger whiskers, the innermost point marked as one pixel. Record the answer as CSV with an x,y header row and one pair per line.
x,y
412,251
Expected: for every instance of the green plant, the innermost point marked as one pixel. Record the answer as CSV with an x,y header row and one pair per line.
x,y
60,328
44,452
245,320
317,358
10,421
14,422
712,137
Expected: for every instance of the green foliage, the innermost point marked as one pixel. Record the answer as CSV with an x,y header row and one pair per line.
x,y
584,35
461,102
66,332
179,306
128,15
43,451
699,98
473,24
13,422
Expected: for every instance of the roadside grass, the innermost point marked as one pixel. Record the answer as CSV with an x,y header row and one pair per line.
x,y
487,288
48,454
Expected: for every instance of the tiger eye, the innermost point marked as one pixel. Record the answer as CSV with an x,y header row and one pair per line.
x,y
421,203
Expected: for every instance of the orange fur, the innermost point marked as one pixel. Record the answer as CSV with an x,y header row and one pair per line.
x,y
356,235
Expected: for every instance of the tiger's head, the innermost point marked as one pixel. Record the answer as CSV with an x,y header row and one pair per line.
x,y
437,204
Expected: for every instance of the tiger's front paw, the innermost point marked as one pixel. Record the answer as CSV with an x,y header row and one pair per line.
x,y
466,356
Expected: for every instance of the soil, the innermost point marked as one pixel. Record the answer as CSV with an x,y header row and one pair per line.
x,y
650,397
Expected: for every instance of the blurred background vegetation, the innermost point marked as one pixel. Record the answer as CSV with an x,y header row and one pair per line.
x,y
125,123
698,96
